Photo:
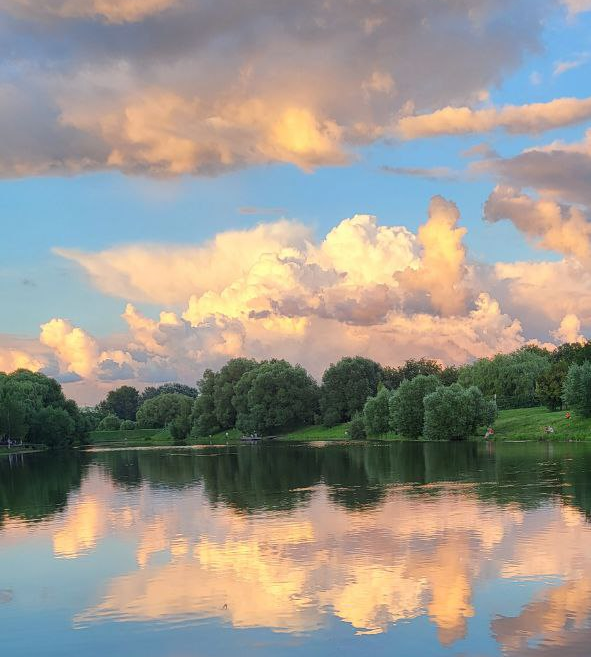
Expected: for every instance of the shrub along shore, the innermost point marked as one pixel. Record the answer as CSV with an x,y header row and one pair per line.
x,y
357,398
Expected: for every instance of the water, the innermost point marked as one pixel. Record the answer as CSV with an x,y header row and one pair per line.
x,y
371,549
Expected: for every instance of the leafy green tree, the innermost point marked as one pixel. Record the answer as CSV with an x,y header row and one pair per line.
x,y
224,388
376,413
160,411
275,396
357,428
449,375
572,352
454,412
13,416
203,418
407,411
550,384
167,388
346,386
392,377
122,402
180,427
53,427
577,388
128,425
109,423
511,378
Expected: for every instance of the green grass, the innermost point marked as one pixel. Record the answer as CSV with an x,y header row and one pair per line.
x,y
529,423
518,424
132,438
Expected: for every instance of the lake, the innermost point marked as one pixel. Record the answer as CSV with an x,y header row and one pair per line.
x,y
406,549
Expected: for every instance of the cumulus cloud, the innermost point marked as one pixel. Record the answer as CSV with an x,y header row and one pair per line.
x,y
554,226
569,330
76,350
168,87
365,288
547,290
515,119
14,359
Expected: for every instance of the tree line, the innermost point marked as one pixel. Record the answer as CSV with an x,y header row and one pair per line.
x,y
418,398
34,409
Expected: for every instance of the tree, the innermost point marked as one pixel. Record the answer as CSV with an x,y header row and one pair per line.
x,y
407,412
109,423
572,352
53,427
577,388
180,427
128,425
357,428
453,412
510,377
376,413
160,411
550,384
275,396
346,386
224,388
392,377
167,388
203,418
13,416
122,402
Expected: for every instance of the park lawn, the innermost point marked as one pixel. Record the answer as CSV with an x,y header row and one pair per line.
x,y
318,432
131,438
529,423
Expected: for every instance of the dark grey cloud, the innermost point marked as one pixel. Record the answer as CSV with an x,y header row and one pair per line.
x,y
188,87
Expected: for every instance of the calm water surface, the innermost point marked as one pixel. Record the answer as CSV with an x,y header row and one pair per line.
x,y
371,549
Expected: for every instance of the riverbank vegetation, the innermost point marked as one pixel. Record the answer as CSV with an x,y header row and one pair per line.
x,y
356,398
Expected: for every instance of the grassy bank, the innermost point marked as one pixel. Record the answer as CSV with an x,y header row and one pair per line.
x,y
518,424
132,438
529,424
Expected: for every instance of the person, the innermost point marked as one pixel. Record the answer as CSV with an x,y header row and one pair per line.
x,y
549,429
489,433
567,416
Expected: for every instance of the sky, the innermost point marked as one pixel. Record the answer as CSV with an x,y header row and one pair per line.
x,y
184,182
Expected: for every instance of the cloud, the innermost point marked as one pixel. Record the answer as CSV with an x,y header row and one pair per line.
x,y
577,6
515,119
76,350
433,173
169,275
569,330
564,66
557,170
111,11
539,290
169,87
565,229
14,359
365,288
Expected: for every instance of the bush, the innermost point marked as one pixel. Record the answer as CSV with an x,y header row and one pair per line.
x,y
376,413
454,412
109,423
407,412
128,425
577,388
357,428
